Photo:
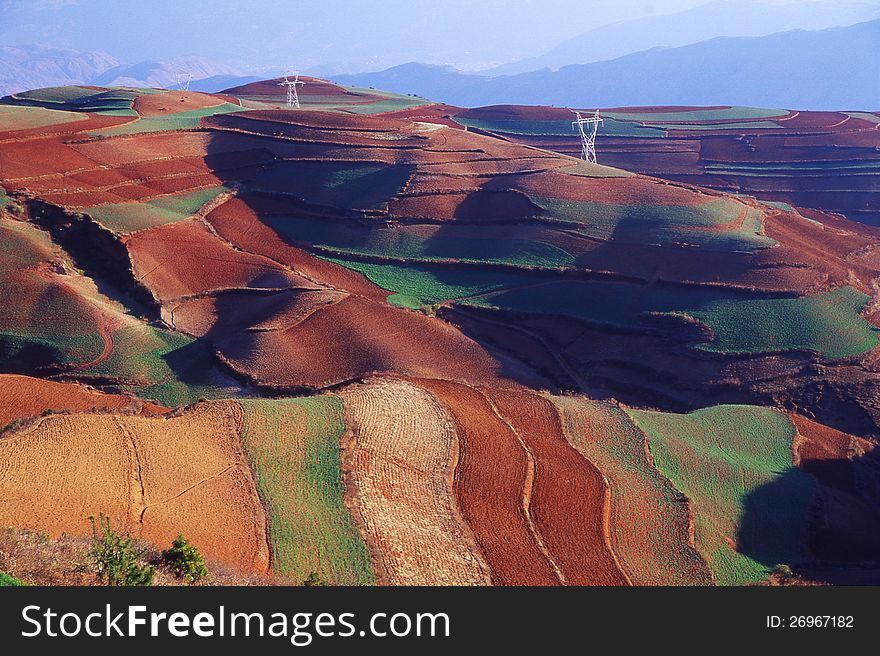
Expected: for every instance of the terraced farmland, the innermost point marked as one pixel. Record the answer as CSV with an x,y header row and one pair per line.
x,y
649,517
143,475
432,355
819,160
125,218
829,323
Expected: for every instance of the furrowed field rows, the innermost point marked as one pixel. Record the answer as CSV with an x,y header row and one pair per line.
x,y
402,453
649,521
491,480
569,495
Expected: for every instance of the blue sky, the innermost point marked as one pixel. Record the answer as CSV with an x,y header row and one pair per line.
x,y
364,34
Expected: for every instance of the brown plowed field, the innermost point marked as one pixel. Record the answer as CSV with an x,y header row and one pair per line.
x,y
490,480
236,222
247,310
357,337
185,258
154,478
401,451
22,397
570,501
826,452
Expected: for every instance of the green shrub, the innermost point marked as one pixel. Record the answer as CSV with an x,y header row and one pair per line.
x,y
314,580
7,580
116,558
185,560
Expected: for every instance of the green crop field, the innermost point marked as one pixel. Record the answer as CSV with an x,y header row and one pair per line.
x,y
164,366
293,446
865,116
649,523
113,101
58,95
734,464
417,286
610,128
828,323
697,115
125,218
662,224
422,243
9,581
13,117
746,126
338,184
188,120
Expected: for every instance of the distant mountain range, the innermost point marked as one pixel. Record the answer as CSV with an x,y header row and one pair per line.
x,y
720,18
837,68
32,67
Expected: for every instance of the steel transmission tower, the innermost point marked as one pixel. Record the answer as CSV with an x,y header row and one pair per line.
x,y
588,127
183,80
292,95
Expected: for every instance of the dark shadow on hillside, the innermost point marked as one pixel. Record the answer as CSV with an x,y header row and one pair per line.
x,y
841,534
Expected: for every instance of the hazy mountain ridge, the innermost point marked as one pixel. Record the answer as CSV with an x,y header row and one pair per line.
x,y
837,68
733,18
33,67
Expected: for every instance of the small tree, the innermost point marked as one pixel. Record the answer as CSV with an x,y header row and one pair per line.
x,y
117,559
185,560
314,580
783,573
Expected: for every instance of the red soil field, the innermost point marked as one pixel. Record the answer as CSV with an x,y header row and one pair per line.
x,y
256,311
173,102
570,499
22,397
186,259
490,480
270,89
237,222
826,452
435,113
518,113
355,338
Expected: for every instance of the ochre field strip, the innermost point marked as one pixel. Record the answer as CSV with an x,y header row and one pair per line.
x,y
155,478
401,452
569,496
490,480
